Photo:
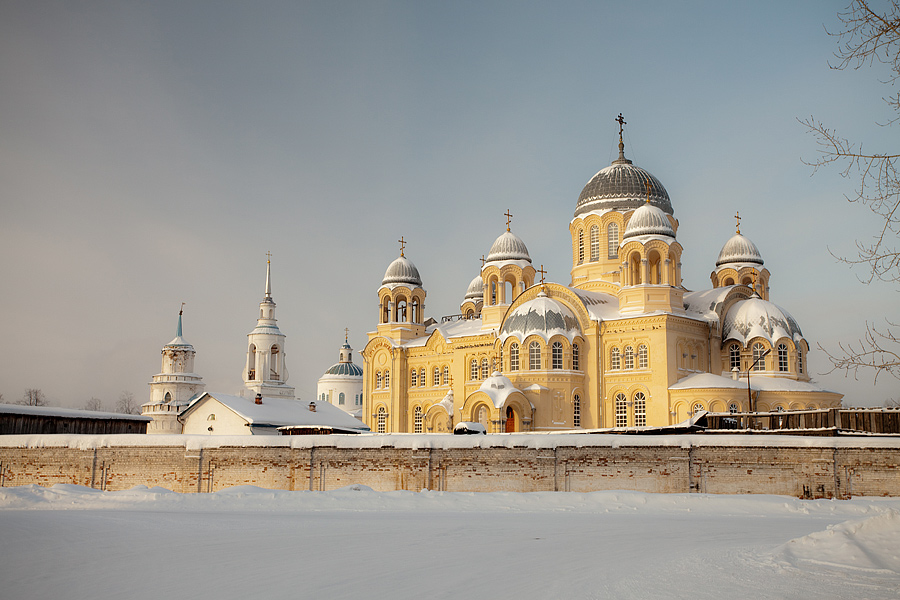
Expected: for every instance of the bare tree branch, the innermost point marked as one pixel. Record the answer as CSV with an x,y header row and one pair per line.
x,y
33,397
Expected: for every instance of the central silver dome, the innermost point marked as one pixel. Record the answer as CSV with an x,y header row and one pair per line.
x,y
622,186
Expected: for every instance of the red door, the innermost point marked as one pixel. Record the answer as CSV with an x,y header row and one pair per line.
x,y
510,420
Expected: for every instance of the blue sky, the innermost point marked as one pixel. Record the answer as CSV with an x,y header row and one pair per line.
x,y
152,153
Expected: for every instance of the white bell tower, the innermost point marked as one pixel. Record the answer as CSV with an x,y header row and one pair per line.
x,y
265,372
173,388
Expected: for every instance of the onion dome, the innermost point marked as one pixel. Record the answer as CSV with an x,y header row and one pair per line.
x,y
648,220
622,186
739,249
475,290
755,317
543,316
402,272
508,247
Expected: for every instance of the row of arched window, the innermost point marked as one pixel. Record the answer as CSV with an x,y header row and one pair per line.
x,y
417,377
357,398
479,370
781,360
534,358
612,242
637,406
626,360
382,379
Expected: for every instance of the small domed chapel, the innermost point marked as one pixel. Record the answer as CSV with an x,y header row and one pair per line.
x,y
623,345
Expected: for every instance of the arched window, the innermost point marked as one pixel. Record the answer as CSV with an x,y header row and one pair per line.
x,y
378,380
629,357
734,355
615,360
643,357
417,420
387,379
341,398
782,358
800,360
534,356
733,408
612,240
580,246
621,411
514,357
415,311
168,397
436,379
640,410
382,420
595,243
696,408
729,281
473,370
483,416
576,359
556,354
414,378
211,417
359,399
422,377
446,375
758,351
576,411
485,368
251,369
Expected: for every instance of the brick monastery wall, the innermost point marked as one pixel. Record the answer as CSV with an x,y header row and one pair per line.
x,y
811,467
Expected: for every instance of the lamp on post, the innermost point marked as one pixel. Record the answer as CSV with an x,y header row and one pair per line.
x,y
755,362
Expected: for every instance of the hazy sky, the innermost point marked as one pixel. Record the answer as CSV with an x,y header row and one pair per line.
x,y
151,153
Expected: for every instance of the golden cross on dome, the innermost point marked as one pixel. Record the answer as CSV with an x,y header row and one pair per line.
x,y
542,272
508,218
647,183
483,260
180,312
346,334
737,216
269,255
402,245
621,121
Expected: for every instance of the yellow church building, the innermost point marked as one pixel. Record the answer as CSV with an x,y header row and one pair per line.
x,y
623,345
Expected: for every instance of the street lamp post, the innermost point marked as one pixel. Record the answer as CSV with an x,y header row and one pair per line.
x,y
753,366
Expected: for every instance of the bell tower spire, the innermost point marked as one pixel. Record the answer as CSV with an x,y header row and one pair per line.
x,y
265,371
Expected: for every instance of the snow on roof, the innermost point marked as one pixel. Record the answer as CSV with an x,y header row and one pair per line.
x,y
498,388
419,441
708,381
71,413
706,303
755,317
283,412
600,306
543,316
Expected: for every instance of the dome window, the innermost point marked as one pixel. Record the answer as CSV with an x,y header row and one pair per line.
x,y
782,358
576,362
758,351
580,246
514,357
534,356
734,355
612,240
595,243
341,399
556,355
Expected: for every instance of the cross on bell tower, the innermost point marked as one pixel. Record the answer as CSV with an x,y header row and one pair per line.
x,y
508,218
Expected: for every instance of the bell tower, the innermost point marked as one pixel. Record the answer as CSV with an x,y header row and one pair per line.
x,y
265,371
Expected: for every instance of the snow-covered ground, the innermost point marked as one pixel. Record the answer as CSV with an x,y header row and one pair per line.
x,y
73,542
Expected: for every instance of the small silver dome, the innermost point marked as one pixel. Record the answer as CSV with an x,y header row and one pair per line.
x,y
739,249
476,289
622,186
508,247
648,220
402,271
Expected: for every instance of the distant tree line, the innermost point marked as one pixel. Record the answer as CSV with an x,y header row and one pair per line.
x,y
126,403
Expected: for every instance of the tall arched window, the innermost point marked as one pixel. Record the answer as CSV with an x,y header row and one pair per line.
x,y
640,410
414,378
417,420
436,380
534,356
378,380
422,377
643,357
387,379
274,366
800,360
734,355
341,398
758,351
514,357
251,369
595,243
576,357
615,360
556,354
485,368
483,416
382,420
446,375
580,246
629,357
612,240
415,311
621,410
473,370
576,411
782,358
168,397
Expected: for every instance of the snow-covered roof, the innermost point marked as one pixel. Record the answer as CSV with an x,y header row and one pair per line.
x,y
706,303
543,316
508,248
739,249
402,272
755,317
282,412
622,186
709,381
475,289
498,388
71,413
600,306
648,220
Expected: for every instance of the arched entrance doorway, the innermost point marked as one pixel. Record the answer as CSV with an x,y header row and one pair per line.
x,y
510,420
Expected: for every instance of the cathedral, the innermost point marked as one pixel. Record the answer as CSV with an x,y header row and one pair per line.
x,y
623,345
